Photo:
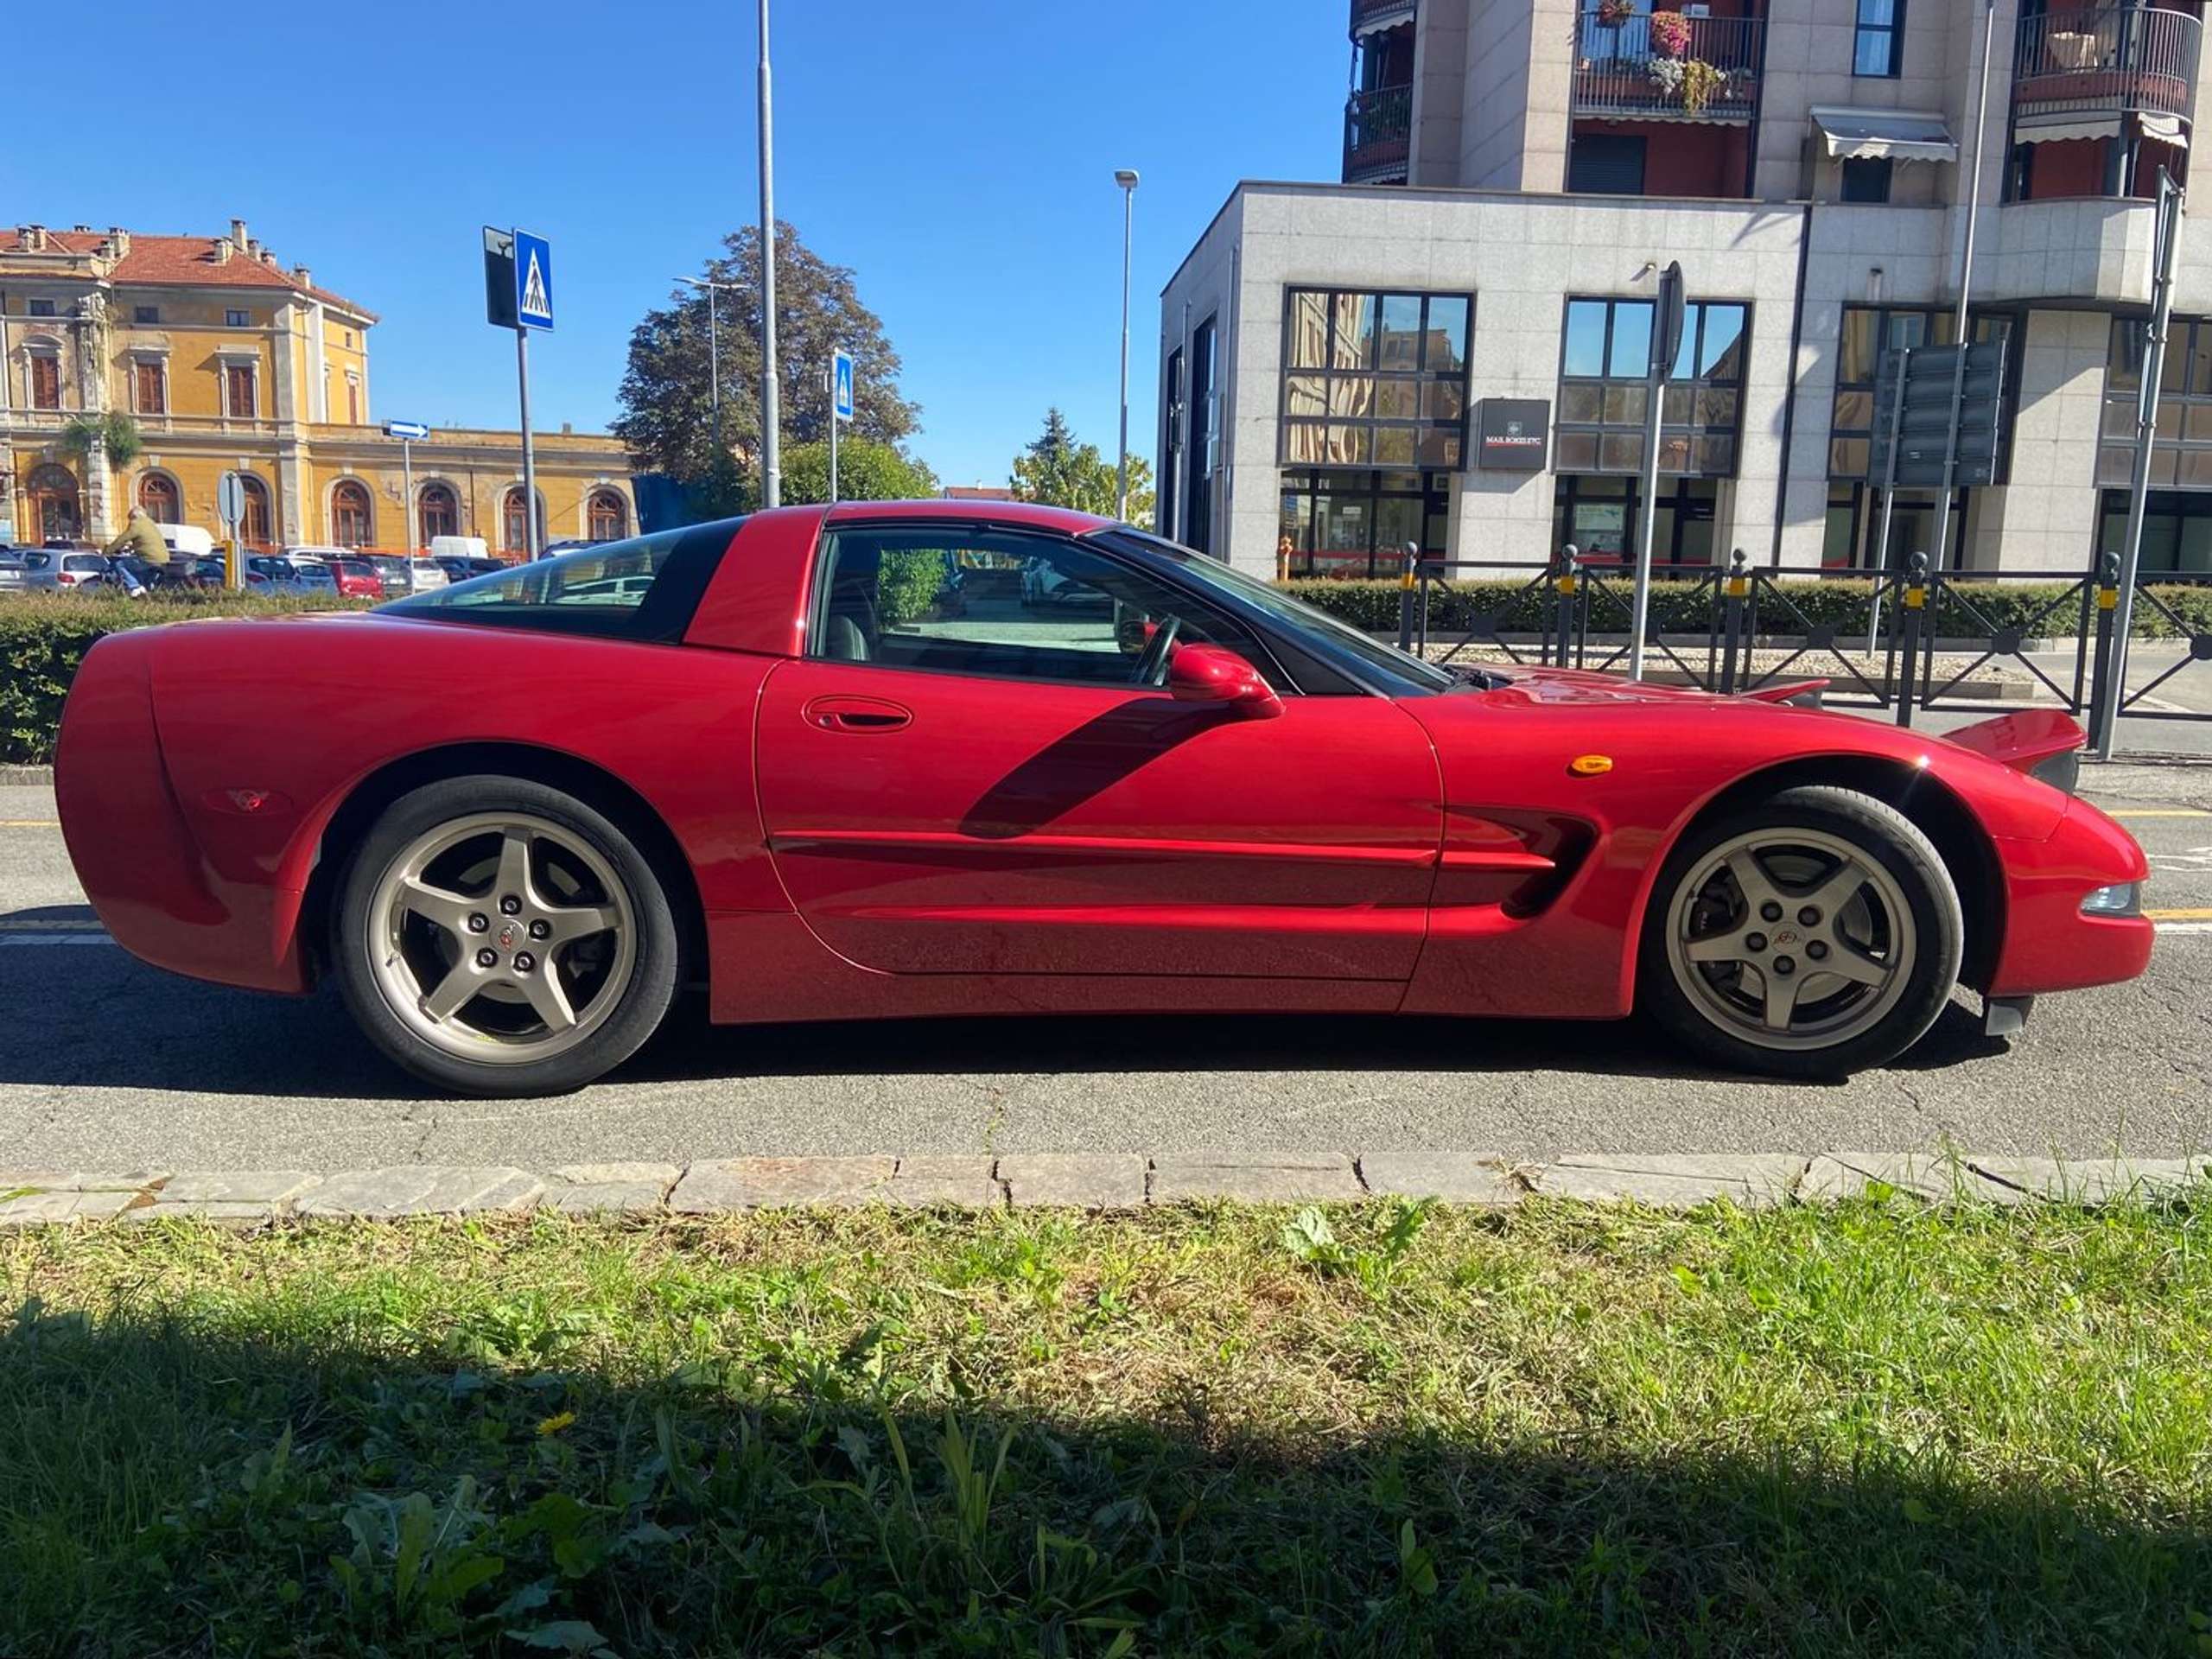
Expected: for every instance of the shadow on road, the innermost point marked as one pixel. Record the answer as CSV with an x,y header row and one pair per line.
x,y
114,1023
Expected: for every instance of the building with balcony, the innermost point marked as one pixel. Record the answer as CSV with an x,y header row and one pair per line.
x,y
1340,360
224,359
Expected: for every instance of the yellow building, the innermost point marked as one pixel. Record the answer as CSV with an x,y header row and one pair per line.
x,y
228,361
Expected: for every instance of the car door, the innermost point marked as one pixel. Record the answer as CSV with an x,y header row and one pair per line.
x,y
966,777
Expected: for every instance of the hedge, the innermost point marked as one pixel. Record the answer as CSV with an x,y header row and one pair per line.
x,y
1972,609
44,636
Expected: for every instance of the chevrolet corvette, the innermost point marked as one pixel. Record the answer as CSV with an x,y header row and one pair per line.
x,y
827,765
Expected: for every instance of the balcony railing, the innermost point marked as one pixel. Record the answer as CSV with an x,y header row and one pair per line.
x,y
2107,61
1621,71
1378,128
1379,14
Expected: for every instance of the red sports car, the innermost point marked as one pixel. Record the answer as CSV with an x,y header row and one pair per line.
x,y
778,758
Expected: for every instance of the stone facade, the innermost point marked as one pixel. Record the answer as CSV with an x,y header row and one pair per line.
x,y
1501,95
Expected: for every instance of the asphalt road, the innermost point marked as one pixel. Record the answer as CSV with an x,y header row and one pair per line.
x,y
108,1065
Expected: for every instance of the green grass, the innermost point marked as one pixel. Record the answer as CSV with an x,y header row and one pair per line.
x,y
1871,1429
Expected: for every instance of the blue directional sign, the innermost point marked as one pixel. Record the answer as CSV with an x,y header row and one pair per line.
x,y
841,383
414,431
533,281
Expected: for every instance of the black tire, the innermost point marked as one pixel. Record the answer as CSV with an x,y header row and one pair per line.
x,y
638,1004
1884,835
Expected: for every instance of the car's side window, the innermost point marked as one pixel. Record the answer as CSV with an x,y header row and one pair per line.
x,y
966,600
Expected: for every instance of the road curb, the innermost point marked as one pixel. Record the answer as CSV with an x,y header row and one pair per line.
x,y
39,776
248,1200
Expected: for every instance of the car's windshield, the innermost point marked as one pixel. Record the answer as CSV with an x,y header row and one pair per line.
x,y
1305,619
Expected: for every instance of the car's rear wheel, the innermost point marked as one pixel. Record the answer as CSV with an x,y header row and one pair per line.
x,y
497,937
1814,934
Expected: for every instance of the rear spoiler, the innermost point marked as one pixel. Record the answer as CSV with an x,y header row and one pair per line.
x,y
2045,743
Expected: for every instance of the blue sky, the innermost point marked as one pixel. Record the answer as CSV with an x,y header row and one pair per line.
x,y
958,153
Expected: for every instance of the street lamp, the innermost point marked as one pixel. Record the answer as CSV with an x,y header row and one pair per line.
x,y
714,354
1127,178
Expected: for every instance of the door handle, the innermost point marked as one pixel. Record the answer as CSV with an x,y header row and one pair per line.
x,y
857,715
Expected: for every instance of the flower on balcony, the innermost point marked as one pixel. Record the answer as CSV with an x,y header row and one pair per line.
x,y
1700,81
1666,75
1670,33
1611,12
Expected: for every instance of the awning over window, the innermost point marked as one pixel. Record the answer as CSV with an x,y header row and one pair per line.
x,y
1898,135
2049,130
2166,128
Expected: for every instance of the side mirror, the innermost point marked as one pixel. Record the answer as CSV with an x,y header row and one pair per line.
x,y
1212,674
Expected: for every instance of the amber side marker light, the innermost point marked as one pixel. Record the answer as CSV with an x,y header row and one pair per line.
x,y
1591,766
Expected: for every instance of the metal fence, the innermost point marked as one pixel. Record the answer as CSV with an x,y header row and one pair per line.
x,y
1925,640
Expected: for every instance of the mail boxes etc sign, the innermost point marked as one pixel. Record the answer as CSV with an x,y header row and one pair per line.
x,y
1512,433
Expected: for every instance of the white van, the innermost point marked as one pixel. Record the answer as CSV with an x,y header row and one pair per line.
x,y
187,541
459,547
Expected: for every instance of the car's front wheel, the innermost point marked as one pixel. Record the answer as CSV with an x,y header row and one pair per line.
x,y
498,936
1813,934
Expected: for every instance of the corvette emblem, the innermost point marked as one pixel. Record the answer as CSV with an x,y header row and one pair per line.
x,y
1787,935
507,936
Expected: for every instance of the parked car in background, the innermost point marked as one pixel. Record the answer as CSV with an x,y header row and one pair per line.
x,y
266,573
14,571
55,569
357,578
313,575
460,568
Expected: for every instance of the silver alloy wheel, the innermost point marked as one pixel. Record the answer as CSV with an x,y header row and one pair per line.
x,y
501,937
1791,938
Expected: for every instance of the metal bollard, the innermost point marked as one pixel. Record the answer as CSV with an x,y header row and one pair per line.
x,y
1736,586
1556,612
1409,567
1912,607
2104,700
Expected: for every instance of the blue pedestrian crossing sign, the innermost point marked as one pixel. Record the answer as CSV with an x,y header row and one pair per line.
x,y
533,281
840,384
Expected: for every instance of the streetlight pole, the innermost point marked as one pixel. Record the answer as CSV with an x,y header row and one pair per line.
x,y
714,356
771,471
1127,178
1961,326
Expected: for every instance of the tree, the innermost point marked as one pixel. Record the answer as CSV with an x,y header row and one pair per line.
x,y
667,402
867,471
1056,469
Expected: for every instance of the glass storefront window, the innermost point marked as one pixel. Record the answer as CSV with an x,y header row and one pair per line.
x,y
1603,398
1347,522
2181,455
1374,379
2176,530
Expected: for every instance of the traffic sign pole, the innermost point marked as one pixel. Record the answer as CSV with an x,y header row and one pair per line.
x,y
528,455
1889,497
2168,232
230,509
407,503
1666,340
833,431
518,295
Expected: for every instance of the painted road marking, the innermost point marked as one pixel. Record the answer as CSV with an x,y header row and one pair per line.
x,y
30,823
2165,928
2179,915
2157,812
